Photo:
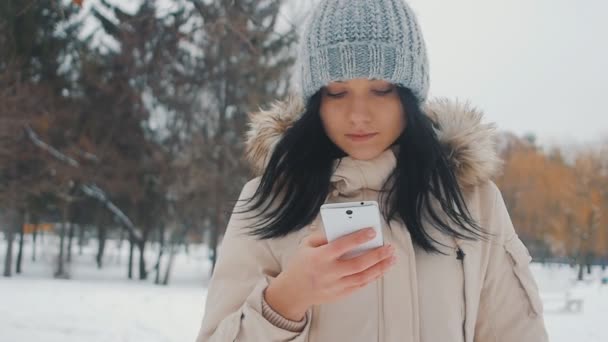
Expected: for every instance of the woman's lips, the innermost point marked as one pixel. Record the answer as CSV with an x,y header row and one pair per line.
x,y
361,137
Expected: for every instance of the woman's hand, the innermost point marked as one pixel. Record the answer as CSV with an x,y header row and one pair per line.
x,y
317,275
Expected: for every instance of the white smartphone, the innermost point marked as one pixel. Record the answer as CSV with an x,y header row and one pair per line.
x,y
341,219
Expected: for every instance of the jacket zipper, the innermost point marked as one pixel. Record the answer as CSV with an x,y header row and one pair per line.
x,y
460,256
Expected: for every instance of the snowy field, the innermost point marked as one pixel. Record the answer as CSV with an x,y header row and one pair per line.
x,y
103,306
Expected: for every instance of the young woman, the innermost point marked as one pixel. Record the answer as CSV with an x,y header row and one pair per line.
x,y
452,268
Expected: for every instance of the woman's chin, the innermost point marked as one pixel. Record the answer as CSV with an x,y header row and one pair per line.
x,y
362,153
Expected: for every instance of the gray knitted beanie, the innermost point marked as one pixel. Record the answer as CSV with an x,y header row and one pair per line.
x,y
373,39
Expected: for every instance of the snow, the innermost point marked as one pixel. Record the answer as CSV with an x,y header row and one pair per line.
x,y
102,305
65,310
585,326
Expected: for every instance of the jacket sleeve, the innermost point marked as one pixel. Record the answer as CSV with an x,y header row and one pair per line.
x,y
234,308
510,306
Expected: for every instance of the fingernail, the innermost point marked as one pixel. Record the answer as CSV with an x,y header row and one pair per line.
x,y
371,232
393,260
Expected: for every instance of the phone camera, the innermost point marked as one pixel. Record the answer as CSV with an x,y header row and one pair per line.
x,y
362,203
349,212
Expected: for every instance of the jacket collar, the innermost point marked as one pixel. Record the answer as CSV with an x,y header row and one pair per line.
x,y
351,175
469,143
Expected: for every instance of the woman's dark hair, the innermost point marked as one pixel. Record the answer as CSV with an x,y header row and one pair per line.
x,y
296,181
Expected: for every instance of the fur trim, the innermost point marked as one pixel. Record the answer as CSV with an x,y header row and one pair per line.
x,y
266,127
470,144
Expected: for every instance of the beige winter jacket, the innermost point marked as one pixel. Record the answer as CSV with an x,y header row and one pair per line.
x,y
489,295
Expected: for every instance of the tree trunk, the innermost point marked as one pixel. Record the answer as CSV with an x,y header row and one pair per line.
x,y
169,263
130,266
70,239
219,215
120,244
101,239
161,243
122,238
581,267
10,236
101,236
24,218
61,273
34,238
80,238
10,224
143,274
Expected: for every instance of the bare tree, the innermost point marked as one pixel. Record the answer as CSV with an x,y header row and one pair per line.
x,y
245,65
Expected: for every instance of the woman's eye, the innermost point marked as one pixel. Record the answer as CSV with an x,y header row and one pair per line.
x,y
383,92
336,95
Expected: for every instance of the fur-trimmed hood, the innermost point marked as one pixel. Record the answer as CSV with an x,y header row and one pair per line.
x,y
470,143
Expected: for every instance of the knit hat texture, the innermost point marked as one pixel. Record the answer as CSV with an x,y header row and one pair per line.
x,y
373,39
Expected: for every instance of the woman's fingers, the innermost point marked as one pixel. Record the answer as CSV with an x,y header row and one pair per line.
x,y
364,261
338,277
365,277
340,246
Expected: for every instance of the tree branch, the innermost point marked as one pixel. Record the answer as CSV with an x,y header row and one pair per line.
x,y
50,149
90,190
95,192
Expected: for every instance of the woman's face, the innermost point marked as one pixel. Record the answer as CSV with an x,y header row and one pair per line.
x,y
362,117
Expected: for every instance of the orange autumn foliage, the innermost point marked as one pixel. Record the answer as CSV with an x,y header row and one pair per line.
x,y
558,203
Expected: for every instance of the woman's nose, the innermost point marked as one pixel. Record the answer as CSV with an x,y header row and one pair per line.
x,y
359,112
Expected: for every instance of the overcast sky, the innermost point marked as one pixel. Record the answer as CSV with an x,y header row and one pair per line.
x,y
536,66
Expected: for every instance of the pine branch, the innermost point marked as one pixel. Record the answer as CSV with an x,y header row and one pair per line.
x,y
106,23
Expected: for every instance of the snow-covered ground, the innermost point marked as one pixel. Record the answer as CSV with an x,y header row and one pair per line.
x,y
588,325
102,305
